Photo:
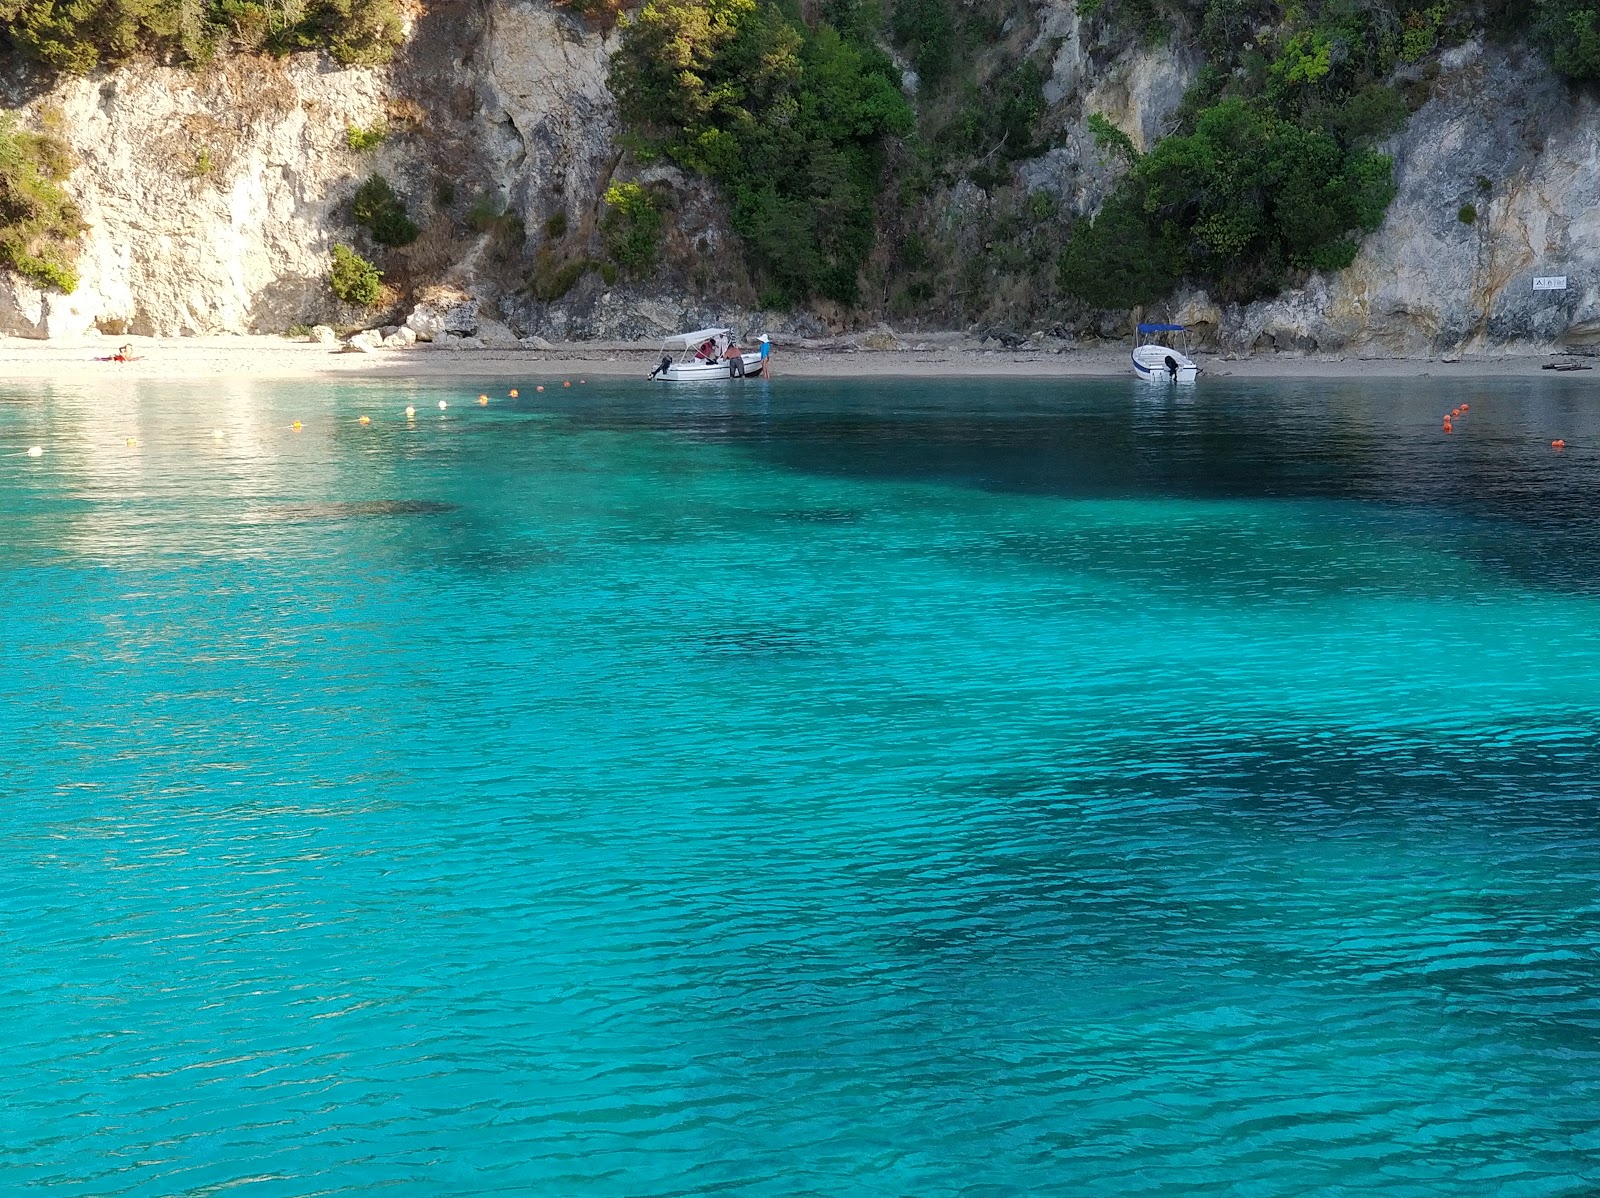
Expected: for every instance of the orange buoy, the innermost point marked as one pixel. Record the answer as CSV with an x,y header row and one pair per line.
x,y
483,401
567,383
1455,411
539,388
1447,427
366,420
1465,406
1558,444
513,393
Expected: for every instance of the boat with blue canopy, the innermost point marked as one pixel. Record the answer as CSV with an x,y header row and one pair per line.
x,y
1158,362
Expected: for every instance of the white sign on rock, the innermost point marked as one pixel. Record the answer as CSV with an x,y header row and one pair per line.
x,y
1550,282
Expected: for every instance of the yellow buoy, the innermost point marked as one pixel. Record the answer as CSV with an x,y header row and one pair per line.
x,y
513,393
410,412
133,441
36,451
483,401
366,420
295,426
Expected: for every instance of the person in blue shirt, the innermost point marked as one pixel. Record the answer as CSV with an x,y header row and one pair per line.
x,y
766,354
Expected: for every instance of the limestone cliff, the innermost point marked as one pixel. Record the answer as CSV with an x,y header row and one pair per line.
x,y
1501,141
213,197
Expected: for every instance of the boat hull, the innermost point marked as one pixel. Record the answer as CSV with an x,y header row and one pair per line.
x,y
1151,363
708,372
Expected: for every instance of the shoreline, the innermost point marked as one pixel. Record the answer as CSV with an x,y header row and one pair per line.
x,y
192,359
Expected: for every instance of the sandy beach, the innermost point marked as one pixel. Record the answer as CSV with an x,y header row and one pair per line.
x,y
273,357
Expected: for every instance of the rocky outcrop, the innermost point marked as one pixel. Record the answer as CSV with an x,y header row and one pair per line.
x,y
213,198
209,196
1505,136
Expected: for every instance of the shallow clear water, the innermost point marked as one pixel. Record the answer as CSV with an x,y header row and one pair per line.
x,y
815,789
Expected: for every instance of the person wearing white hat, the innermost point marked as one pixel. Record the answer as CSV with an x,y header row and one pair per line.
x,y
766,354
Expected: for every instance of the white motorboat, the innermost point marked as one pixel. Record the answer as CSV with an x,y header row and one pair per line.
x,y
1159,363
702,356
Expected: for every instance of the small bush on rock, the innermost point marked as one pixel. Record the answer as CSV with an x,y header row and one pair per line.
x,y
353,279
39,225
631,226
383,214
361,140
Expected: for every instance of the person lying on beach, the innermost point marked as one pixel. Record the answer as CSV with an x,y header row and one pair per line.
x,y
124,354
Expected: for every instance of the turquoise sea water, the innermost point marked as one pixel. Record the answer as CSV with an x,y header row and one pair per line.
x,y
819,789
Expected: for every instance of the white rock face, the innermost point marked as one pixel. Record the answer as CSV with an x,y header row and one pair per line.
x,y
443,312
208,194
1428,283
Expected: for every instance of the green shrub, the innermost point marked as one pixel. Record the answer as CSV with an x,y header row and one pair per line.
x,y
361,140
631,227
80,36
553,277
39,225
444,193
353,279
204,164
1467,214
1371,114
926,30
1115,261
556,225
1236,204
1569,30
1111,140
790,120
382,213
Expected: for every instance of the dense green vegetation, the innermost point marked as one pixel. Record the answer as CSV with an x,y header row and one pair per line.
x,y
79,35
353,279
382,213
39,225
791,119
1271,171
631,226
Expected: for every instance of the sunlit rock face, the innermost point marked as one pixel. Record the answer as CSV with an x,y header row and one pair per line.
x,y
209,196
1505,136
213,197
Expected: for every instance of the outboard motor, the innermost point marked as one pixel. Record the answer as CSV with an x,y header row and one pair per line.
x,y
1172,367
661,369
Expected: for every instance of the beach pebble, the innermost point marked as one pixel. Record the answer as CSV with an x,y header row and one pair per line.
x,y
323,335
